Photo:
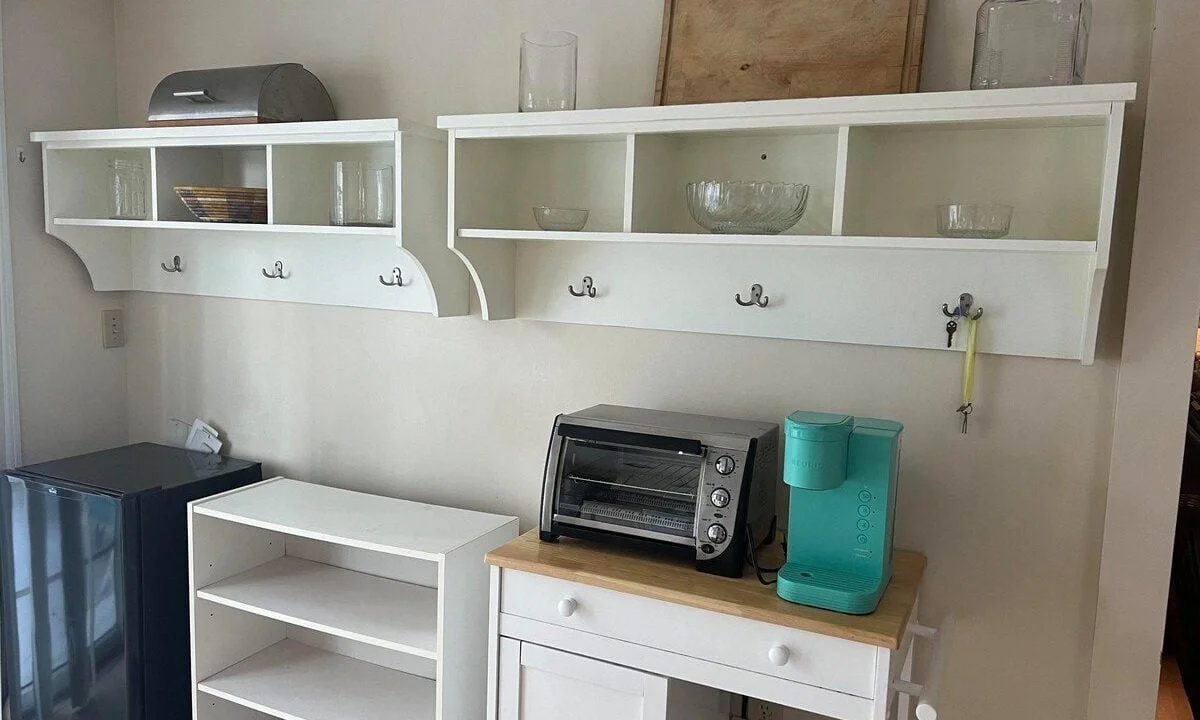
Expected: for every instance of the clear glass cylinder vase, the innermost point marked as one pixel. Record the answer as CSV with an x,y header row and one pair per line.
x,y
362,194
1030,43
127,190
549,63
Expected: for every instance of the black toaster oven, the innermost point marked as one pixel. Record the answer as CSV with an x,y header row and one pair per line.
x,y
702,487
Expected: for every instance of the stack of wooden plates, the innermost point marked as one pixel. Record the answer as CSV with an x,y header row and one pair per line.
x,y
212,203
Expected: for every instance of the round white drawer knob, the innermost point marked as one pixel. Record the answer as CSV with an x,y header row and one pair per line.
x,y
567,607
778,655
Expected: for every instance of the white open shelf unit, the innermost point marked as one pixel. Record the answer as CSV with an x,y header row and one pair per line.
x,y
323,264
314,603
864,265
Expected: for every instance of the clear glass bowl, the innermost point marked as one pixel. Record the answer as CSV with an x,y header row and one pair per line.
x,y
746,207
560,219
974,220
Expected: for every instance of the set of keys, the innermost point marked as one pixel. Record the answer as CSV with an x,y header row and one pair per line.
x,y
970,316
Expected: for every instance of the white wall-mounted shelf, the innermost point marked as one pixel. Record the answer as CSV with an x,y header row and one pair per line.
x,y
293,162
864,265
314,603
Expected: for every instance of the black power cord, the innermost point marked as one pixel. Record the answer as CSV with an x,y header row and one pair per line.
x,y
752,556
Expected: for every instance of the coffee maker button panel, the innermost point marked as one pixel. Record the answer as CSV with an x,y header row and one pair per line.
x,y
720,497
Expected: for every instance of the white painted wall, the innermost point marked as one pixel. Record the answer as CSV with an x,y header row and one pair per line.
x,y
1156,375
59,72
458,411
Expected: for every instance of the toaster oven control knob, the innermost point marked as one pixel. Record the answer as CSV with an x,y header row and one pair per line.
x,y
720,497
567,607
725,465
717,533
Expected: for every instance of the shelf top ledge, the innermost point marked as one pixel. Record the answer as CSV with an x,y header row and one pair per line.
x,y
264,133
906,102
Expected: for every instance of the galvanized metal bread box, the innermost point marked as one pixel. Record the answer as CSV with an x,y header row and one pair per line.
x,y
284,92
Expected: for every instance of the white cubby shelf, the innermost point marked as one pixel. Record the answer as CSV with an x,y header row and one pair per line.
x,y
864,265
315,603
323,264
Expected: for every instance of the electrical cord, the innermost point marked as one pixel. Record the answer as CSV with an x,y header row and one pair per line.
x,y
752,557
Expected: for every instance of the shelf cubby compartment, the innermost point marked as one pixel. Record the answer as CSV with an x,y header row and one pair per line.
x,y
664,164
865,265
1052,175
234,166
500,181
293,162
302,177
86,178
313,603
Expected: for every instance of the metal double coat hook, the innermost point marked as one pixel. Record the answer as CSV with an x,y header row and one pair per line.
x,y
278,274
396,280
589,289
174,267
756,297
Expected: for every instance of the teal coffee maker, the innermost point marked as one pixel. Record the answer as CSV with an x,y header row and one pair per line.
x,y
841,471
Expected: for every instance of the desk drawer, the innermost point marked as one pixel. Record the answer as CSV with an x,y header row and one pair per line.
x,y
796,655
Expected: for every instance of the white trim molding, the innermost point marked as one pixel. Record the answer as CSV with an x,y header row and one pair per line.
x,y
1153,384
9,392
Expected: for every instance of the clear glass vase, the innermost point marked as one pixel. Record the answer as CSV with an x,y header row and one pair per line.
x,y
1030,43
549,62
127,190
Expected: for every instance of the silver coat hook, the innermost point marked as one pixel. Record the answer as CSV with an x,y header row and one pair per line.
x,y
174,266
588,288
756,297
278,274
396,280
966,302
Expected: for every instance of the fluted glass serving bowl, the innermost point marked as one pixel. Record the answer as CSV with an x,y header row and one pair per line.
x,y
974,220
746,207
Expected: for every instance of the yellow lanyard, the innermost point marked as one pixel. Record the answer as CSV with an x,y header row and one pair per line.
x,y
968,378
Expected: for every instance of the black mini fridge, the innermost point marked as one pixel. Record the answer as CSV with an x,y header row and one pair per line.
x,y
95,581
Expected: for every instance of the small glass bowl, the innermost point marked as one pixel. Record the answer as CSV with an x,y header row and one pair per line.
x,y
974,220
560,219
746,207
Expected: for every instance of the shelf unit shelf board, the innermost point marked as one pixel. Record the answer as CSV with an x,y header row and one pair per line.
x,y
227,227
369,522
387,613
879,166
292,681
1076,247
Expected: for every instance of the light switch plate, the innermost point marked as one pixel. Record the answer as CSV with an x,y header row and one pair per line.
x,y
114,328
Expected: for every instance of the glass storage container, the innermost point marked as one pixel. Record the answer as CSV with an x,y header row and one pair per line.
x,y
362,194
548,68
127,190
1029,43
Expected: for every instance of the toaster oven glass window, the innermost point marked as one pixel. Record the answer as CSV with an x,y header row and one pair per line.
x,y
630,489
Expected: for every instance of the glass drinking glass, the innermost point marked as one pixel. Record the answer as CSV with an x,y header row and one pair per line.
x,y
127,190
548,66
378,191
346,201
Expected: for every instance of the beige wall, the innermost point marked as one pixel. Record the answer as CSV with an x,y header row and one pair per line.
x,y
58,74
458,411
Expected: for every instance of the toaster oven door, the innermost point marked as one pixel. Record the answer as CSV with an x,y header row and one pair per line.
x,y
629,488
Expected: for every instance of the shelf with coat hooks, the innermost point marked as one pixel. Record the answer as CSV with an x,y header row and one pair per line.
x,y
865,264
296,255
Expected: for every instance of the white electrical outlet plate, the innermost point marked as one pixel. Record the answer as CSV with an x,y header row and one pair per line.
x,y
114,328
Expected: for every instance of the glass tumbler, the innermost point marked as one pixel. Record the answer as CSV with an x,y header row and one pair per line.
x,y
127,190
378,195
548,66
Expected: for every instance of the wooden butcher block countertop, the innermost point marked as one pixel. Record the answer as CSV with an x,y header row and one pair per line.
x,y
677,581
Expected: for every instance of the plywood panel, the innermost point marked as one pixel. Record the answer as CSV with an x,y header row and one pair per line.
x,y
723,50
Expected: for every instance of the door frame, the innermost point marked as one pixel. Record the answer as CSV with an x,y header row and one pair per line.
x,y
10,408
1154,382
